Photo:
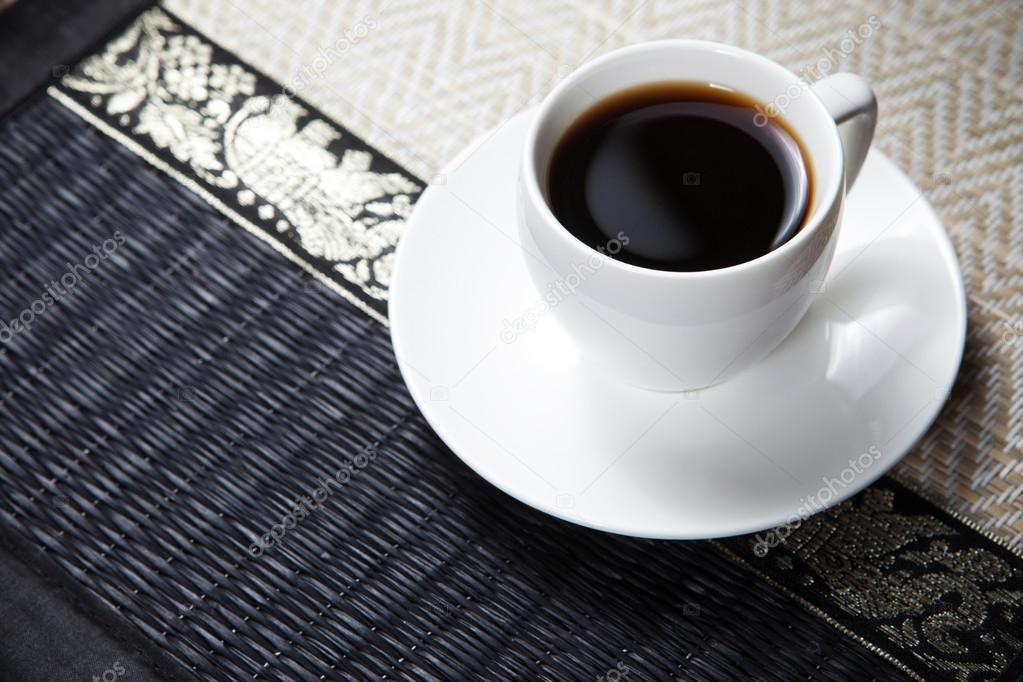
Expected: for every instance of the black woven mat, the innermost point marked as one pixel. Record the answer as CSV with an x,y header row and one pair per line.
x,y
168,410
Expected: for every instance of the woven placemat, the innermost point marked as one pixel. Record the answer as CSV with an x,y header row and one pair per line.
x,y
176,412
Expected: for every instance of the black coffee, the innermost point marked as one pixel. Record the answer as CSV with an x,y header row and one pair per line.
x,y
693,175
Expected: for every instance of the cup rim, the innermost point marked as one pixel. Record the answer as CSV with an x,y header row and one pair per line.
x,y
829,195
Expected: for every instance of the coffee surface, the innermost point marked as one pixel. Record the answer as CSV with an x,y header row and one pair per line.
x,y
690,173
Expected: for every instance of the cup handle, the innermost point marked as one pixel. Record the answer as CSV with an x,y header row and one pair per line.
x,y
851,102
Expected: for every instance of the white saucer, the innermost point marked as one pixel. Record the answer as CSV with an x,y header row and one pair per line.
x,y
860,379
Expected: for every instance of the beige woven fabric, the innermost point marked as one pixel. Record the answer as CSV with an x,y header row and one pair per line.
x,y
421,79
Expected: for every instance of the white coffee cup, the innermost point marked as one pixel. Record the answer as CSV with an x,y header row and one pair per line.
x,y
686,330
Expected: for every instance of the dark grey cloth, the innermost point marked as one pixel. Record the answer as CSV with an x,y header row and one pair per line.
x,y
40,39
51,629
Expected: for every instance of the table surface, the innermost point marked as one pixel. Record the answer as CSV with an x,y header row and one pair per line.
x,y
181,401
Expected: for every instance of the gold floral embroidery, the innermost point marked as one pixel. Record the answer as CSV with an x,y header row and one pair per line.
x,y
320,191
907,582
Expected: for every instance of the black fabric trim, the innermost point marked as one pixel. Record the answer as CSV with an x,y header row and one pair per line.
x,y
52,629
266,158
904,576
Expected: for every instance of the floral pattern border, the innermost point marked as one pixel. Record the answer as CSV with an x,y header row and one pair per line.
x,y
309,185
912,583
